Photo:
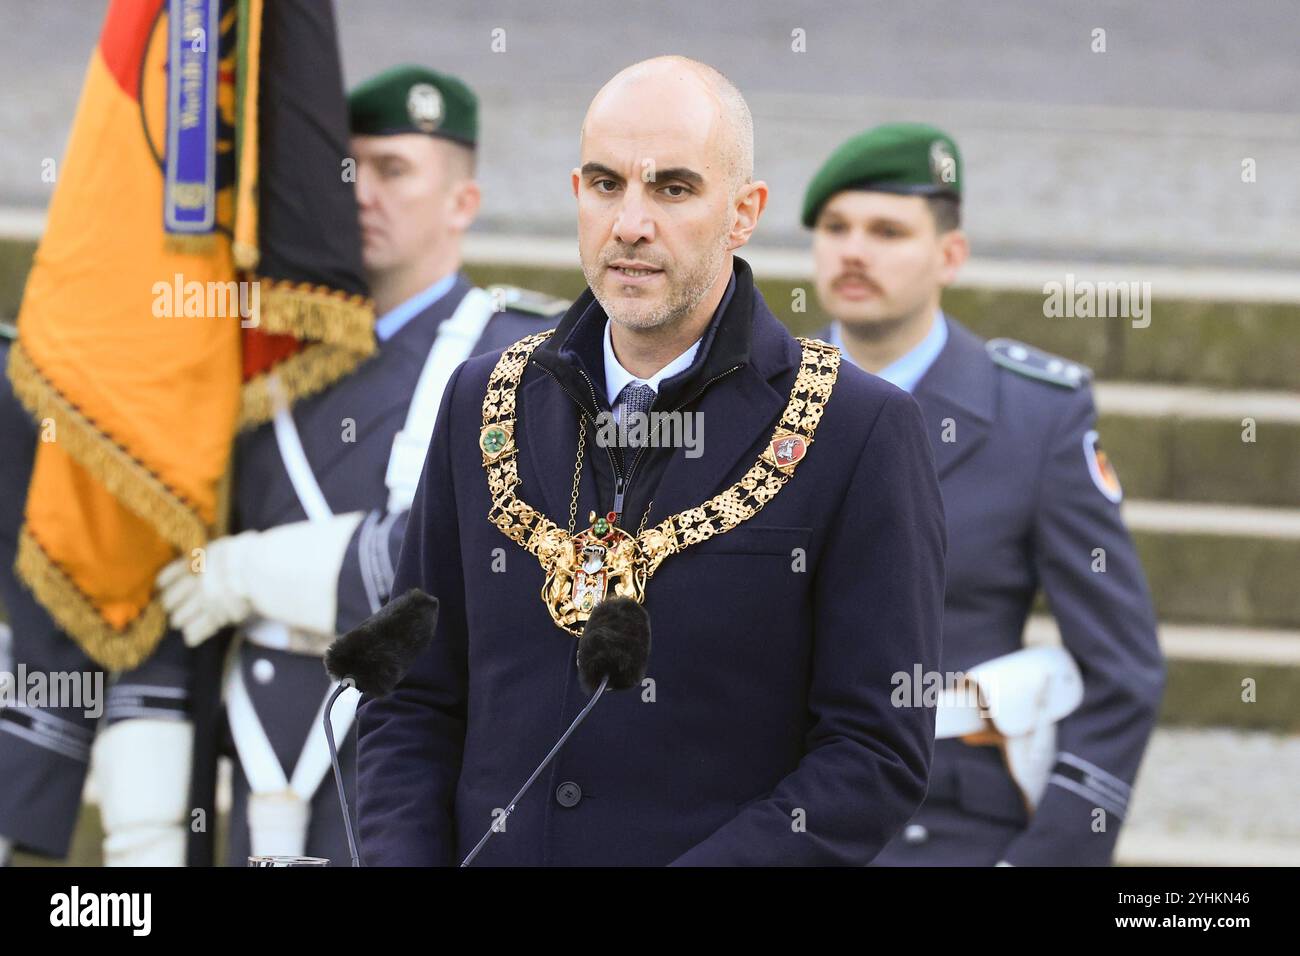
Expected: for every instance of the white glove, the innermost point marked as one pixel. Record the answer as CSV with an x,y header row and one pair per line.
x,y
200,604
288,574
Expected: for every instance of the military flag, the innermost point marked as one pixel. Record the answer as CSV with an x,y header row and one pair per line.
x,y
201,260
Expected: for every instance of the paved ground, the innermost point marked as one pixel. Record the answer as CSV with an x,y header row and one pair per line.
x,y
1216,796
1133,154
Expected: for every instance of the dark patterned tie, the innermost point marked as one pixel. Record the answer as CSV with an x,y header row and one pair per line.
x,y
633,399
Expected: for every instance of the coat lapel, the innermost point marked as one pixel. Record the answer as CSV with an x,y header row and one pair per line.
x,y
738,414
958,396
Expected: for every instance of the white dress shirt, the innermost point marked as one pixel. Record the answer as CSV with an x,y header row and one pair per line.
x,y
618,378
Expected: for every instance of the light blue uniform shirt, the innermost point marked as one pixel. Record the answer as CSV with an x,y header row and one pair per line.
x,y
392,321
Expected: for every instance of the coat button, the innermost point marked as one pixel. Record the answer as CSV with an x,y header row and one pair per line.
x,y
914,834
568,794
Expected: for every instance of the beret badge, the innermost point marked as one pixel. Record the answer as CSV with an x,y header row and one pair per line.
x,y
424,106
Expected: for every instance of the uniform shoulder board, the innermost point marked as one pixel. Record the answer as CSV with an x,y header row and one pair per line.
x,y
1035,363
8,333
526,300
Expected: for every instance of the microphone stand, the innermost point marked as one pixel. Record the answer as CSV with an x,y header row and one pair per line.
x,y
604,682
344,684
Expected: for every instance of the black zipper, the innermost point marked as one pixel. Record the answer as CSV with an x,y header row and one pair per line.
x,y
680,405
620,480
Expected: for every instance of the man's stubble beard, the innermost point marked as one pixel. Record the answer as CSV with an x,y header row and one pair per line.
x,y
681,300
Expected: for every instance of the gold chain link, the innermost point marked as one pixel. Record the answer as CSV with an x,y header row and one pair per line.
x,y
554,548
641,526
577,473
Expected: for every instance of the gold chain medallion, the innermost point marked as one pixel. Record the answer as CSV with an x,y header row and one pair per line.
x,y
581,569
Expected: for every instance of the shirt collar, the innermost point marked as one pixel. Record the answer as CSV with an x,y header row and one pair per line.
x,y
908,369
392,321
617,377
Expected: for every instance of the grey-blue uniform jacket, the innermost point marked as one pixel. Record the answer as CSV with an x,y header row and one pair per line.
x,y
1024,513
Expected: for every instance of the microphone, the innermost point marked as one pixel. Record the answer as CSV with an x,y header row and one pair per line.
x,y
373,657
612,655
377,653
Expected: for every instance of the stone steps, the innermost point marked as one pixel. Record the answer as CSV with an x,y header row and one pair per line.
x,y
1207,671
1188,443
1220,564
1215,798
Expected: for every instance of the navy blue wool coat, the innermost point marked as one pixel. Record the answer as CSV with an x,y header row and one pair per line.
x,y
764,732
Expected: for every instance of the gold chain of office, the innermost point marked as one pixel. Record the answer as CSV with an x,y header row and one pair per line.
x,y
582,569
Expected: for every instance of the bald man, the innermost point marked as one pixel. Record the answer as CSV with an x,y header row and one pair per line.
x,y
789,555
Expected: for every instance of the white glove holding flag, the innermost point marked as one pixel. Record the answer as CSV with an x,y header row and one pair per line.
x,y
287,574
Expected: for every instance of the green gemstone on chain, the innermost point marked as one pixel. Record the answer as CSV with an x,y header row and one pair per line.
x,y
601,527
494,440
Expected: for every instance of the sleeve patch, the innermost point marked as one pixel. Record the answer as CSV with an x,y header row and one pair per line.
x,y
1100,469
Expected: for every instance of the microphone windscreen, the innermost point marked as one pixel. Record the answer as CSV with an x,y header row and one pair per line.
x,y
379,651
616,643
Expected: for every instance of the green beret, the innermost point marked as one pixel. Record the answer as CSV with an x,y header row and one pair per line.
x,y
412,99
909,158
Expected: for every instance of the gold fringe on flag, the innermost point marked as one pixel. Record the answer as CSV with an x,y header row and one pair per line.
x,y
125,478
339,327
75,614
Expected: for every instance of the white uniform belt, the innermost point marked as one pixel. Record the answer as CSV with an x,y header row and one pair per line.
x,y
1015,693
1021,696
958,716
456,338
294,457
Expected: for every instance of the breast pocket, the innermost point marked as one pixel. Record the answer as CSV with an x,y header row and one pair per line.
x,y
758,540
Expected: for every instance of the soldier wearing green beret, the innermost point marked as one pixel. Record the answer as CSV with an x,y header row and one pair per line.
x,y
1036,749
414,138
323,493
